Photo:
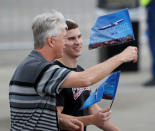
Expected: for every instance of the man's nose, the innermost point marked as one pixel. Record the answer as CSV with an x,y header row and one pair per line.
x,y
77,41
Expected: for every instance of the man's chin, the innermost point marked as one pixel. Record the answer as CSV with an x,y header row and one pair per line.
x,y
60,56
77,55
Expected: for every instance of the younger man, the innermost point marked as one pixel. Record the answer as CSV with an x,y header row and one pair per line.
x,y
70,100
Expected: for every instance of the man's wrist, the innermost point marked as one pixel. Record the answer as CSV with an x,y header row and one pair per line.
x,y
120,59
92,119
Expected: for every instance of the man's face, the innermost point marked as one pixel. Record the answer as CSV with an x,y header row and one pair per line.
x,y
73,43
59,45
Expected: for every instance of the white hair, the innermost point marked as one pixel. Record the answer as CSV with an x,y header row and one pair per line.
x,y
45,25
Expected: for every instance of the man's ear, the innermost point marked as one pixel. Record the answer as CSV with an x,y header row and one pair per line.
x,y
50,41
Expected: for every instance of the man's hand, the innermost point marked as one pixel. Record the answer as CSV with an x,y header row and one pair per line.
x,y
70,124
101,117
129,54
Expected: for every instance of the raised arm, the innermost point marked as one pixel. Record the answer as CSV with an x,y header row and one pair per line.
x,y
96,73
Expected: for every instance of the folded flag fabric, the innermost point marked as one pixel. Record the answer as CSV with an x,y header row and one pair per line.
x,y
111,29
107,90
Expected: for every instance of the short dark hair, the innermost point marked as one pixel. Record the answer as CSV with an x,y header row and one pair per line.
x,y
71,24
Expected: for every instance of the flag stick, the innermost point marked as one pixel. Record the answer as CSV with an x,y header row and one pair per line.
x,y
111,103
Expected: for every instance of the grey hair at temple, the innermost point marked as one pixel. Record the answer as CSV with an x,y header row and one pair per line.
x,y
46,25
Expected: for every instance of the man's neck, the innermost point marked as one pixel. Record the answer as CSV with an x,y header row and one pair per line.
x,y
46,54
68,61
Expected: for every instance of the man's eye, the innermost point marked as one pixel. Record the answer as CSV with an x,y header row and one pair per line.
x,y
79,36
71,38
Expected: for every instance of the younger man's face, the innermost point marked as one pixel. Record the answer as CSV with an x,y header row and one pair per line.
x,y
73,43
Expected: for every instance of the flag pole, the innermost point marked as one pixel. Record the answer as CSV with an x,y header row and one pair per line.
x,y
111,103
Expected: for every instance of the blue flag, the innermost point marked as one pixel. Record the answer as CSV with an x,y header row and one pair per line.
x,y
111,29
107,90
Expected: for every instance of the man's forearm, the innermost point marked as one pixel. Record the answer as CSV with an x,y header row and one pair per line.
x,y
109,126
96,73
93,74
100,71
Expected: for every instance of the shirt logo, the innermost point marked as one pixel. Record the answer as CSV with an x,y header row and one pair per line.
x,y
78,91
